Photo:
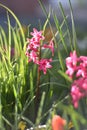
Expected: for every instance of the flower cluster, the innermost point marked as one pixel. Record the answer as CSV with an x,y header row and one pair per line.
x,y
77,69
34,48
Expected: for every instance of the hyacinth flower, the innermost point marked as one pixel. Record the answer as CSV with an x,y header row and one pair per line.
x,y
33,50
78,90
77,70
58,123
71,64
50,46
44,64
37,34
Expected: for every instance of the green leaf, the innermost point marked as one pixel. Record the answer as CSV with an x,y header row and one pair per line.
x,y
63,74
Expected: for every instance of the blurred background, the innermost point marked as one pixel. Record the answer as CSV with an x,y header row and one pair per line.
x,y
30,12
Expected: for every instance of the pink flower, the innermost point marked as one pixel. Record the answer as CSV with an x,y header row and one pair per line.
x,y
33,45
82,82
37,34
70,71
76,95
83,59
50,46
76,65
44,64
58,123
72,60
32,57
81,71
33,50
77,68
78,90
82,67
71,63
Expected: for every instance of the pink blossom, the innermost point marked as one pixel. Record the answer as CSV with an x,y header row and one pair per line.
x,y
78,90
81,71
71,63
82,82
33,57
33,45
83,59
37,34
50,46
70,71
77,69
72,59
44,64
76,65
76,95
33,50
35,42
82,67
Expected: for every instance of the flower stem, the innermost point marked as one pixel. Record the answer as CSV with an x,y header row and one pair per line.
x,y
38,84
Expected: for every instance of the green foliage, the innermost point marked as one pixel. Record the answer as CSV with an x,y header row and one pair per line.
x,y
18,78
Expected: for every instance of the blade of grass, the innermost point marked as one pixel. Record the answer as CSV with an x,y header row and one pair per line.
x,y
39,116
9,37
7,122
19,24
65,76
54,83
46,22
47,16
28,121
27,103
1,121
61,61
3,34
73,28
60,31
66,23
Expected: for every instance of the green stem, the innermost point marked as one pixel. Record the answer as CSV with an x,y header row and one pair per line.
x,y
38,84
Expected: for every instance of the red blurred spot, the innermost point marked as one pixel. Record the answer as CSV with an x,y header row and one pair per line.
x,y
58,123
